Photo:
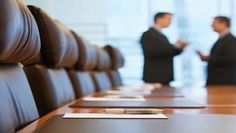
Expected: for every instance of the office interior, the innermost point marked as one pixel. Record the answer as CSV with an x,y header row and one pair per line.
x,y
121,24
110,26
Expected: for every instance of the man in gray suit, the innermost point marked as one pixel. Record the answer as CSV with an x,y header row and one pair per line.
x,y
222,58
159,52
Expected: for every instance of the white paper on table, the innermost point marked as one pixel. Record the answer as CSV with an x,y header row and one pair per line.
x,y
113,116
136,88
112,99
152,85
143,87
130,92
125,96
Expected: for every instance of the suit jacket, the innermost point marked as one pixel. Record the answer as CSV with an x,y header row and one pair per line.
x,y
222,61
158,57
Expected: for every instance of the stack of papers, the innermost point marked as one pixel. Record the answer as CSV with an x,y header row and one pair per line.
x,y
113,116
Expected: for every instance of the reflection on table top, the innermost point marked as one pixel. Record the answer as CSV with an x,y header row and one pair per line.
x,y
219,100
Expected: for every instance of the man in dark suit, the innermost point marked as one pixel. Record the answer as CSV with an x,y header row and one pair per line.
x,y
159,52
222,58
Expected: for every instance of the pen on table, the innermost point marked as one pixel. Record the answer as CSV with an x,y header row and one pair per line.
x,y
131,111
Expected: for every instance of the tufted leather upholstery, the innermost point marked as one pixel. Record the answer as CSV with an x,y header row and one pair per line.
x,y
81,75
16,100
87,54
104,61
59,48
51,87
82,82
48,79
117,60
19,42
19,34
115,78
101,81
100,77
116,56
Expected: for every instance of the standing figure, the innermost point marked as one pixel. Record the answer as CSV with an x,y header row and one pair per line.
x,y
159,52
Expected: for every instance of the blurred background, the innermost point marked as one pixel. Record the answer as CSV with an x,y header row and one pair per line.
x,y
121,23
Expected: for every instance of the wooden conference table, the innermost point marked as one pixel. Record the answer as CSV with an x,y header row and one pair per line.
x,y
218,100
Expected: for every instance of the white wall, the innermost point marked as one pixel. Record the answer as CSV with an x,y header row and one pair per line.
x,y
121,22
87,17
127,19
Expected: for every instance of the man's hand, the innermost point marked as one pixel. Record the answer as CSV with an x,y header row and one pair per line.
x,y
180,44
202,56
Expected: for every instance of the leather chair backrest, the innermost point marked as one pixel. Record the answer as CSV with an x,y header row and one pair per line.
x,y
51,88
81,75
82,82
115,78
19,42
48,79
18,33
101,81
87,54
104,60
100,77
116,56
16,100
59,48
117,60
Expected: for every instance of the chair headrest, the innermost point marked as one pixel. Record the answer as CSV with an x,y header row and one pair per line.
x,y
104,61
19,41
87,54
116,56
59,48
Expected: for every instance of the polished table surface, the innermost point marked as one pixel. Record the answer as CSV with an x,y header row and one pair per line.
x,y
176,123
219,100
165,92
150,103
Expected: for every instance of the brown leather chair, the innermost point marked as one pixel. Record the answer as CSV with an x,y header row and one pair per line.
x,y
100,77
81,75
118,61
19,42
48,78
115,78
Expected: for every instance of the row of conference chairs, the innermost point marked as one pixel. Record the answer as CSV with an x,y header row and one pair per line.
x,y
44,65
